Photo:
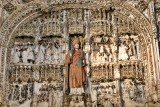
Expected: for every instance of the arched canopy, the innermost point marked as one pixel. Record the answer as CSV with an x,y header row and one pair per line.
x,y
32,10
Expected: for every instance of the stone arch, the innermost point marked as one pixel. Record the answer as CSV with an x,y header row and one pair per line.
x,y
32,10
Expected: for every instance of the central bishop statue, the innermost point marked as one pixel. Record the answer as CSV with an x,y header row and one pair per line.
x,y
75,67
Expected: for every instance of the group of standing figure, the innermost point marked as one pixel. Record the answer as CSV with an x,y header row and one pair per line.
x,y
39,54
49,97
127,50
20,93
23,54
134,91
102,95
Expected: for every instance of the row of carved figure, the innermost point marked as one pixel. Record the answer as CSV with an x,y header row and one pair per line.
x,y
41,73
127,50
103,73
20,93
40,54
104,95
44,95
134,90
54,53
49,96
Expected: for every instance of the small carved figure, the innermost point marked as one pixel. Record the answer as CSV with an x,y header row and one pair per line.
x,y
56,53
123,55
138,49
15,55
42,52
25,55
30,55
48,55
131,48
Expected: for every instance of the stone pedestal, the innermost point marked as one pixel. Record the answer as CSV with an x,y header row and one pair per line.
x,y
65,101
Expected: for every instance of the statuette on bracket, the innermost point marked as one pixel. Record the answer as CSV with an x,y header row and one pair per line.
x,y
142,5
45,7
9,7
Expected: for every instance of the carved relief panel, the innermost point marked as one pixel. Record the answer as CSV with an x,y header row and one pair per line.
x,y
115,51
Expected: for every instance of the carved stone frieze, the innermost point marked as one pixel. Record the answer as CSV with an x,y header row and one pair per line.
x,y
118,47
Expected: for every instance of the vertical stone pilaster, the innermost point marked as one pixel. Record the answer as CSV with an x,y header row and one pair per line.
x,y
3,59
1,76
65,69
86,25
65,24
154,47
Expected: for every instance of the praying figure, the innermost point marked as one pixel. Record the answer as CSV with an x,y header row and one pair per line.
x,y
75,62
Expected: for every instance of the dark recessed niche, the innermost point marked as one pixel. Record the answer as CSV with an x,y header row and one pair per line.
x,y
24,39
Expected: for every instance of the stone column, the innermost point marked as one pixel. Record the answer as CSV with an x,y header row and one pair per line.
x,y
65,24
155,39
87,50
86,23
105,22
3,74
1,90
1,12
65,69
149,79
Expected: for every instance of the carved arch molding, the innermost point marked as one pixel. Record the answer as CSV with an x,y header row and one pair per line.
x,y
32,10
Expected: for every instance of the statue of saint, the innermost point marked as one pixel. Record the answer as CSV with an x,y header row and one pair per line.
x,y
138,49
30,54
48,55
25,55
75,63
42,52
15,55
123,55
